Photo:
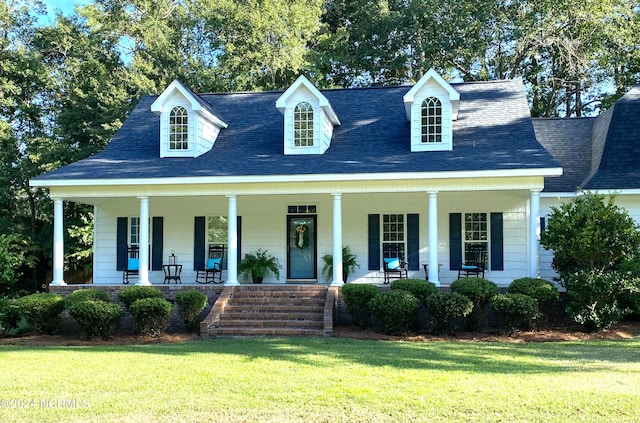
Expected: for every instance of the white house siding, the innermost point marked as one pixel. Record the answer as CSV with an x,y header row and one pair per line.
x,y
264,226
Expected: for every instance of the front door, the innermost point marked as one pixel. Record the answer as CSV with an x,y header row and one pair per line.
x,y
301,247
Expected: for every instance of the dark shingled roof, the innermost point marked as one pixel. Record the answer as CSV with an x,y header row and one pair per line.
x,y
569,141
493,132
596,153
618,166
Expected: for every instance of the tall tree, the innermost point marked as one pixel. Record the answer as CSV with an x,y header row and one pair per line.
x,y
263,44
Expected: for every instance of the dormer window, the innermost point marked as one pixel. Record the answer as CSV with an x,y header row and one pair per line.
x,y
188,124
303,125
431,120
431,106
309,118
178,129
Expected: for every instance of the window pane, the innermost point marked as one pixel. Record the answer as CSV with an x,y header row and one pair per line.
x,y
431,120
178,129
217,231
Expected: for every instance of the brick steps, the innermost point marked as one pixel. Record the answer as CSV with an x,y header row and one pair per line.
x,y
237,332
272,311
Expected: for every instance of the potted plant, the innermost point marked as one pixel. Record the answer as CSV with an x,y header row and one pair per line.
x,y
259,264
349,264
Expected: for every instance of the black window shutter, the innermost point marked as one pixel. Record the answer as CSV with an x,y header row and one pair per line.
x,y
157,243
413,241
497,249
198,242
543,224
455,241
374,242
121,243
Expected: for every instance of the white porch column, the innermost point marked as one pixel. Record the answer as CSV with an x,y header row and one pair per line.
x,y
534,235
144,242
337,240
232,254
58,243
432,238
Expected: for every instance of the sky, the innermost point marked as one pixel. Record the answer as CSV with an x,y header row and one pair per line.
x,y
66,6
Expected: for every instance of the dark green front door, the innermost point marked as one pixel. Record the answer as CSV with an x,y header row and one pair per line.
x,y
301,247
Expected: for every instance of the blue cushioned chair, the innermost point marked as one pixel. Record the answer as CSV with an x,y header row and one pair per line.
x,y
212,271
474,262
132,268
393,263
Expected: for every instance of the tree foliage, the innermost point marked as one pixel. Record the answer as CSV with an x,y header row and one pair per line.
x,y
67,86
590,233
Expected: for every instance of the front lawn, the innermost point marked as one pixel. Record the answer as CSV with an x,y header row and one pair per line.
x,y
323,380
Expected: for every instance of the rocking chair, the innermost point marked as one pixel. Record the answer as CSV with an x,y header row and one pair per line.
x,y
393,264
474,262
132,268
212,271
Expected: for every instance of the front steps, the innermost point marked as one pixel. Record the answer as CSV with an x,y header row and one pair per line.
x,y
270,310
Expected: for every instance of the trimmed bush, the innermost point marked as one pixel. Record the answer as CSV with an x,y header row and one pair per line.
x,y
131,294
479,291
630,270
357,298
595,297
190,305
420,288
514,310
543,291
396,311
97,317
444,308
151,315
42,311
9,316
81,295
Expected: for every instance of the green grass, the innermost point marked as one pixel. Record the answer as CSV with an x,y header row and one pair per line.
x,y
323,380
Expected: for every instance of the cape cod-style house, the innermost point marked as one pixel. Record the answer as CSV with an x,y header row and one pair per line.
x,y
425,171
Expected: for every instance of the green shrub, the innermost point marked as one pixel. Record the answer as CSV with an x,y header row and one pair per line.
x,y
420,288
543,291
444,308
131,294
357,298
97,317
630,270
396,311
595,297
151,315
479,291
190,305
81,295
514,310
9,316
590,233
41,311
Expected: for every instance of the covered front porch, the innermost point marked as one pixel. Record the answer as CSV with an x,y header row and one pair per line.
x,y
428,221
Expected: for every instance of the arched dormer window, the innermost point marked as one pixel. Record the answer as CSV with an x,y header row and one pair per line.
x,y
178,129
431,126
303,125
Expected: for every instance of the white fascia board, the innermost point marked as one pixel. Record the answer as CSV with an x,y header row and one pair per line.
x,y
454,96
196,106
301,178
212,118
574,194
156,106
545,194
